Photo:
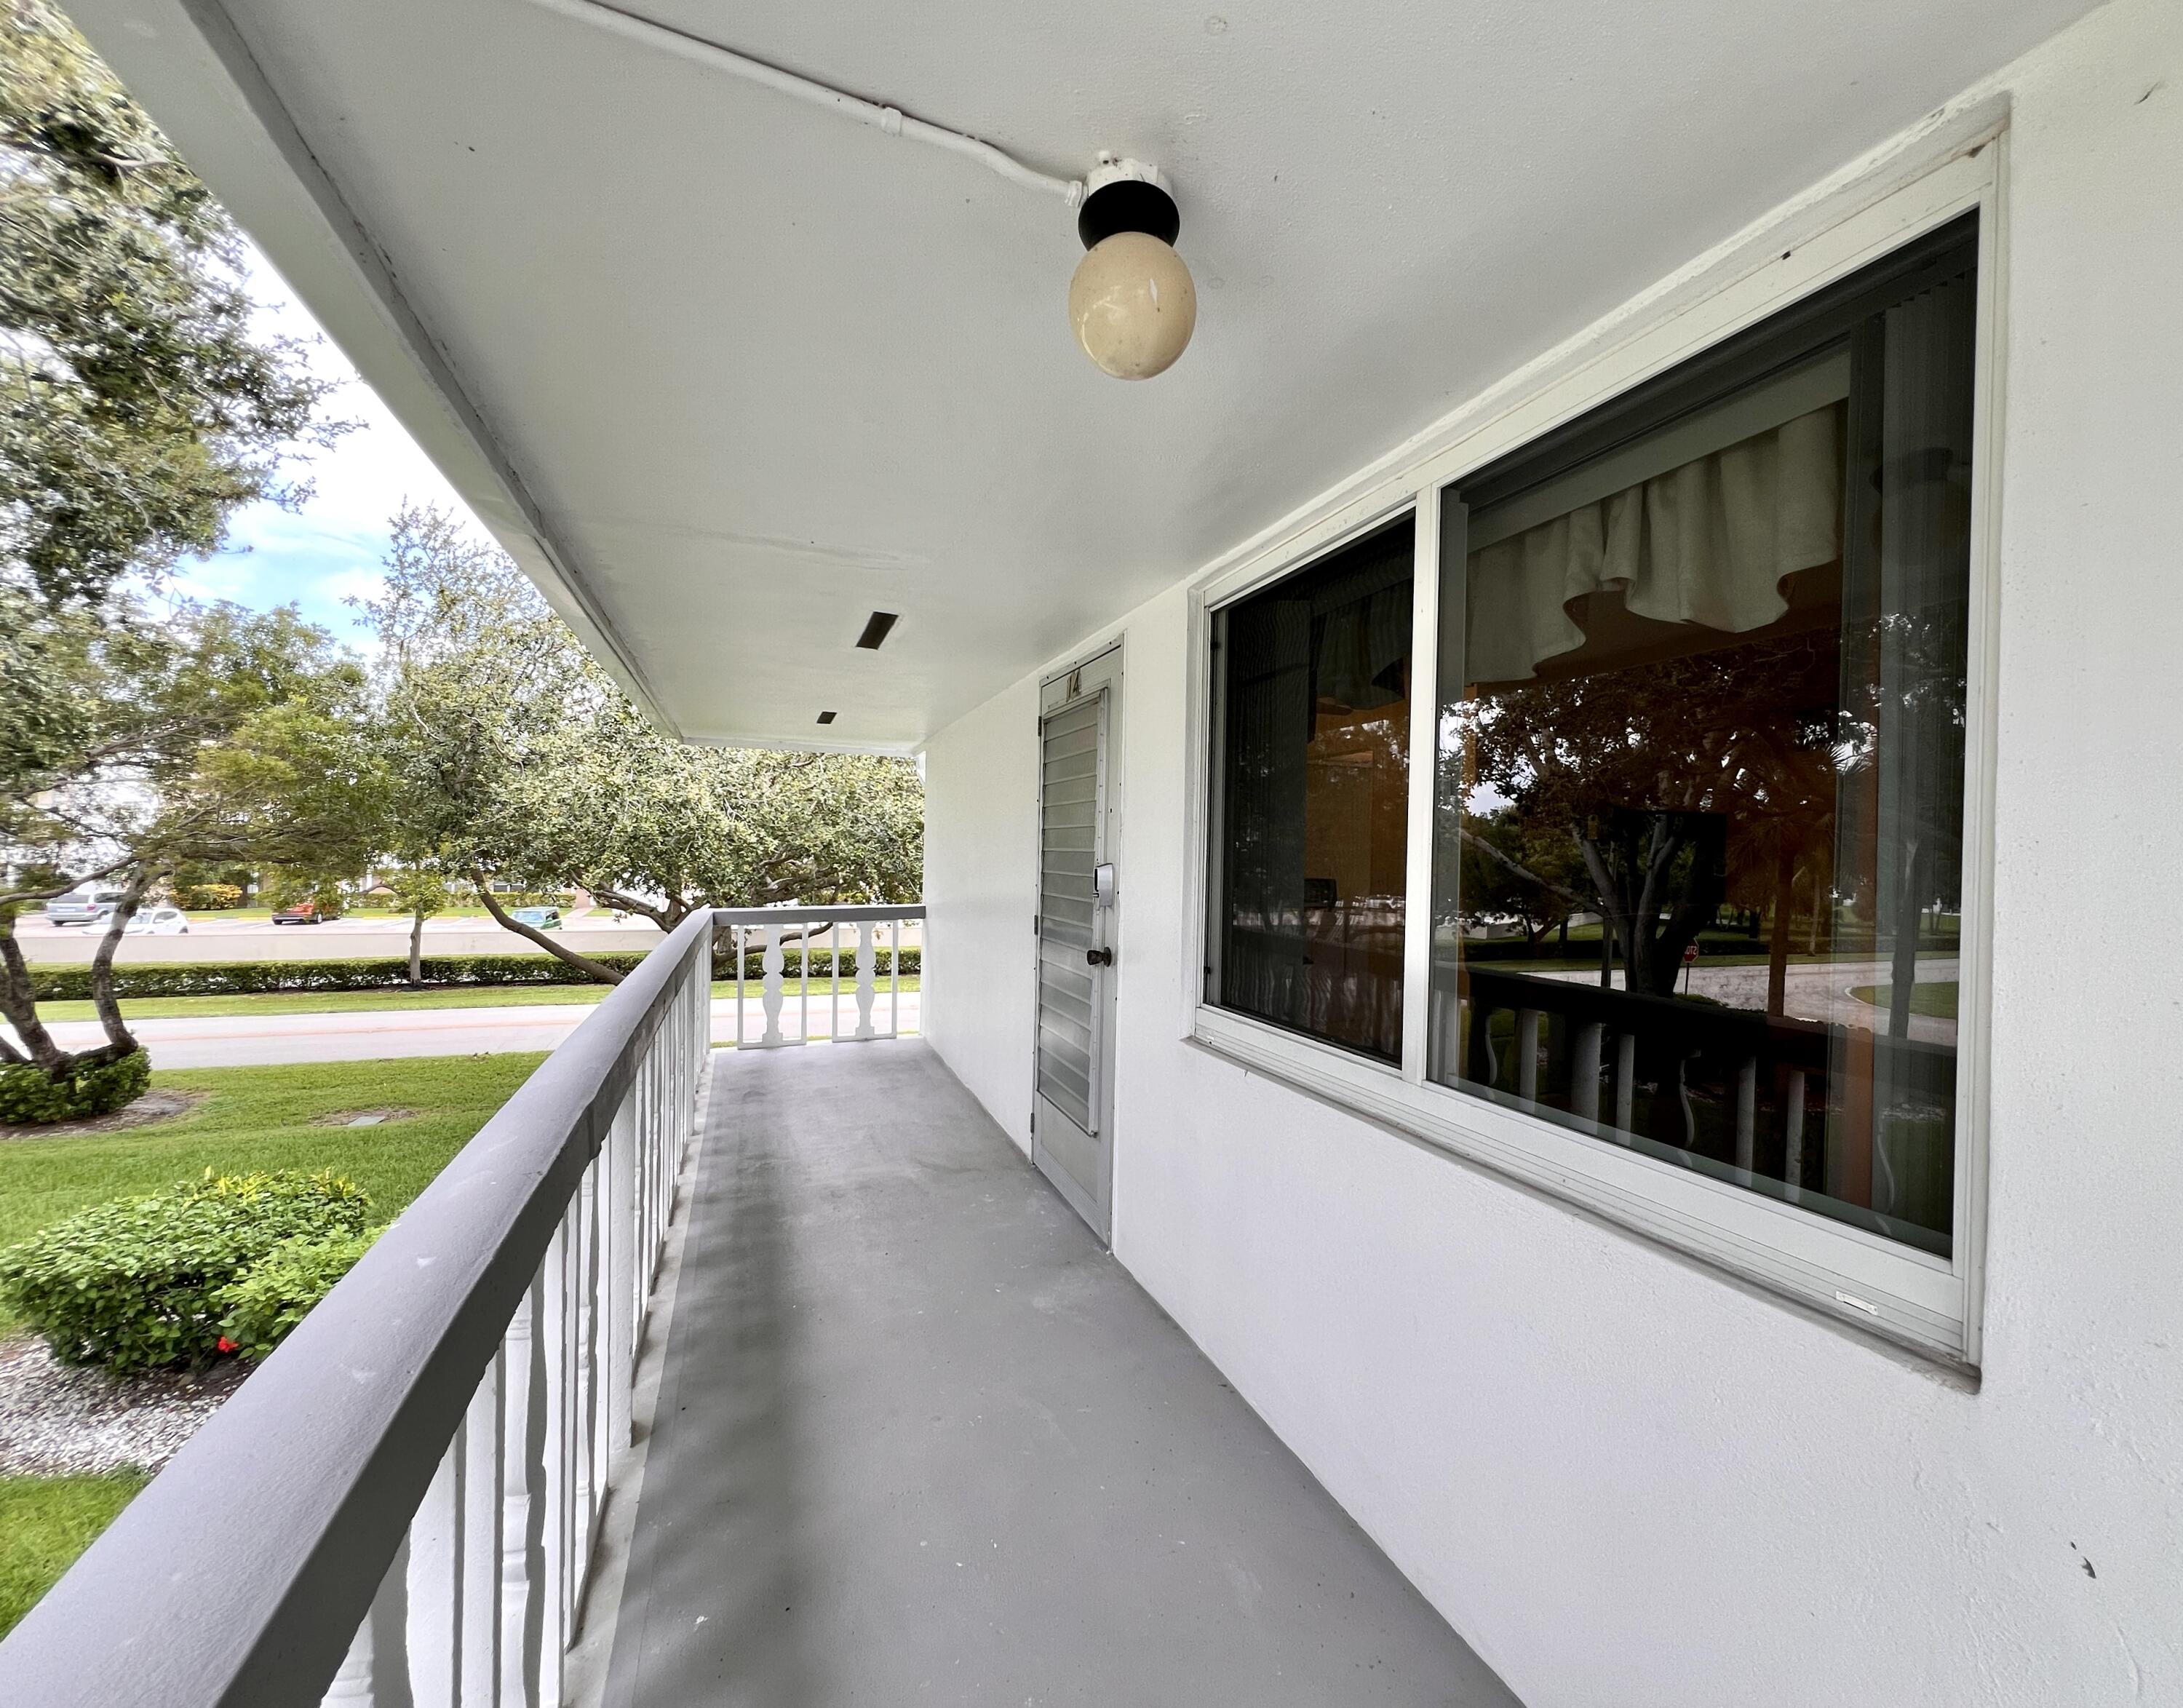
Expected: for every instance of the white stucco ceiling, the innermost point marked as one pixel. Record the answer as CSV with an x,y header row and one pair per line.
x,y
746,372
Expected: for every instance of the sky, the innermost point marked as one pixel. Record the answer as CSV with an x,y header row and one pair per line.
x,y
330,548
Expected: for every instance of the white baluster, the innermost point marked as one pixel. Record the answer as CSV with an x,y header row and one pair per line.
x,y
1793,1129
435,1637
1527,1054
867,991
484,1470
894,978
1747,1113
772,1037
522,1427
741,949
550,1594
1625,1082
375,1673
834,966
590,1473
1584,1070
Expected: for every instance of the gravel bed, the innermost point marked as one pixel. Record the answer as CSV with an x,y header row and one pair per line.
x,y
59,1419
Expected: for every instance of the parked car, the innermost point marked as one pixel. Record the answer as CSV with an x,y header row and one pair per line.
x,y
158,921
304,913
538,918
81,907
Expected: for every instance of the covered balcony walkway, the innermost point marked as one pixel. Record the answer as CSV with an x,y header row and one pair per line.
x,y
919,1439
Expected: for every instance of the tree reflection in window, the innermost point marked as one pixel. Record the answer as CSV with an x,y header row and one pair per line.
x,y
1700,784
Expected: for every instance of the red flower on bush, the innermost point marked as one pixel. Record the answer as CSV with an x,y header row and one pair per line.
x,y
227,1345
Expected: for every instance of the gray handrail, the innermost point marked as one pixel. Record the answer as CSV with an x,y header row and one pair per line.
x,y
845,913
239,1577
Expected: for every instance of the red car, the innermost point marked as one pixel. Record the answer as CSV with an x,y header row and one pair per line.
x,y
304,913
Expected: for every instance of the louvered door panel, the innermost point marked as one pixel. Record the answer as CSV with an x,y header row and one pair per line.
x,y
1070,809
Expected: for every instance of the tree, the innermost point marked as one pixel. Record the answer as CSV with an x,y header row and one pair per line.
x,y
1514,870
512,756
221,734
137,409
419,891
1644,770
662,827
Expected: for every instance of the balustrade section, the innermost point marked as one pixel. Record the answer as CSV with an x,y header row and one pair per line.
x,y
402,1508
1774,1104
786,966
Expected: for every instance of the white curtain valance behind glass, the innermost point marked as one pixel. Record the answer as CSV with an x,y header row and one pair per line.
x,y
1708,542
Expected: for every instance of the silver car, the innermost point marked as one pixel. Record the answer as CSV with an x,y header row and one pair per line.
x,y
82,907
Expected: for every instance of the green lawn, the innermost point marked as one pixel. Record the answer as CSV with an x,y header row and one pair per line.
x,y
379,1001
253,1118
264,1118
1938,1000
45,1523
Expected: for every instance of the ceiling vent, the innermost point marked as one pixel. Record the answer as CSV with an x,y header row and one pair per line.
x,y
876,630
826,717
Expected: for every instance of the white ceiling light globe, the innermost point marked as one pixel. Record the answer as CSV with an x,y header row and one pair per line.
x,y
1132,305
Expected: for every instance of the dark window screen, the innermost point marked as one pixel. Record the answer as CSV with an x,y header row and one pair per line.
x,y
1313,676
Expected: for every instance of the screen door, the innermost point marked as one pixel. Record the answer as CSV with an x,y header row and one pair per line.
x,y
1071,1125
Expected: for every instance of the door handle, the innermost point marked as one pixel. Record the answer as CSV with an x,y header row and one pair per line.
x,y
1098,957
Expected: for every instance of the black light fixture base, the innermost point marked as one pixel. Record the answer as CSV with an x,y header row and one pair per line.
x,y
1128,204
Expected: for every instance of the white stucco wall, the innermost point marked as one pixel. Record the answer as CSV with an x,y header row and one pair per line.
x,y
981,890
1625,1479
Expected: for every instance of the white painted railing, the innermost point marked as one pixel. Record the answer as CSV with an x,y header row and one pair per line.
x,y
873,1002
401,1509
482,1600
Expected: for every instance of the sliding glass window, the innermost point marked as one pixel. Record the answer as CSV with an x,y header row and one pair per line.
x,y
1699,790
1311,694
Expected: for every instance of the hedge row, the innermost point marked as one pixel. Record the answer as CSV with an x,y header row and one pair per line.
x,y
135,981
140,979
821,961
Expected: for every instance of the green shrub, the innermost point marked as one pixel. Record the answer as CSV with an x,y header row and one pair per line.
x,y
134,1284
278,1291
207,898
818,961
29,1096
135,981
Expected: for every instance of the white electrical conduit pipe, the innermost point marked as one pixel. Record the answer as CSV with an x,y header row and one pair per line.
x,y
633,27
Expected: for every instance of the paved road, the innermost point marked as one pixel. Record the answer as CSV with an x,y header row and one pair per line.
x,y
250,1040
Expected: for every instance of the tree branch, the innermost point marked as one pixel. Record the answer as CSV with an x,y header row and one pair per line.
x,y
568,957
119,1041
1493,854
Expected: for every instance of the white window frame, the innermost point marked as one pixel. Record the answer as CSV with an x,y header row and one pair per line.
x,y
1912,1297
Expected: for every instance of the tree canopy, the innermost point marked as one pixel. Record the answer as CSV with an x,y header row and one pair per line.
x,y
216,735
512,757
138,409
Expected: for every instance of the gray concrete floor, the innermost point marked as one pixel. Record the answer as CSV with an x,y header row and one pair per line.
x,y
919,1439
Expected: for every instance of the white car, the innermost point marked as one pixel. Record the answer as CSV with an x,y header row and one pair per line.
x,y
158,921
